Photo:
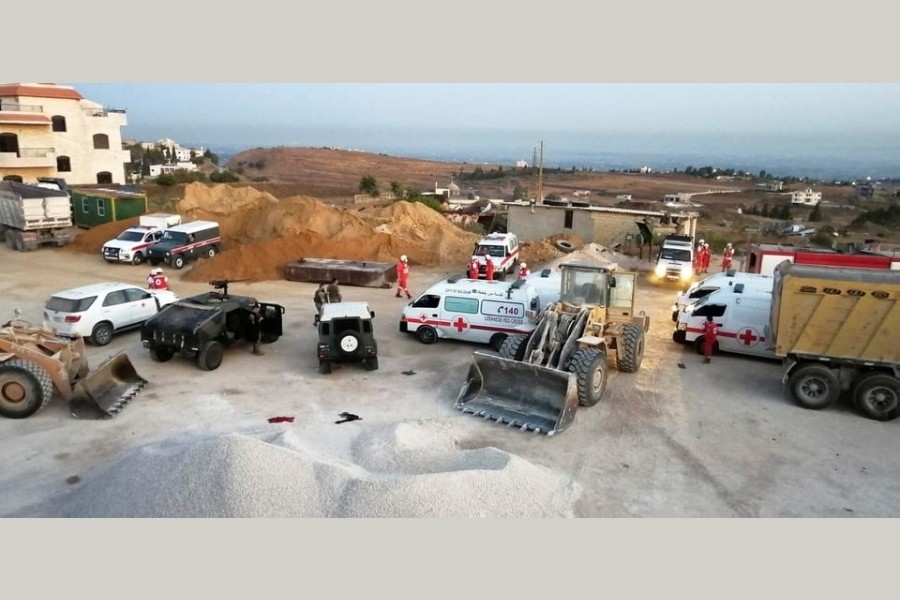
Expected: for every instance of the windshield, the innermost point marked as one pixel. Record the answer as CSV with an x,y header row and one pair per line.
x,y
70,305
584,286
490,251
131,236
175,236
676,254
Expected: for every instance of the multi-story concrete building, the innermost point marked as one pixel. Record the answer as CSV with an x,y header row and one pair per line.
x,y
49,130
806,197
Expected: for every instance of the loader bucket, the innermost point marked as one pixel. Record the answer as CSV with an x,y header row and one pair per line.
x,y
106,391
519,394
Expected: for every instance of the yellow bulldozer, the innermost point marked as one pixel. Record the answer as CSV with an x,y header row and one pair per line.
x,y
35,364
539,379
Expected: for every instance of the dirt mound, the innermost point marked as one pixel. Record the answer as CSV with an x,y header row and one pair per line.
x,y
90,241
538,252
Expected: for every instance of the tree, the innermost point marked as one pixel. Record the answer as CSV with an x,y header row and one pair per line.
x,y
397,189
762,174
815,214
764,211
213,158
520,192
369,185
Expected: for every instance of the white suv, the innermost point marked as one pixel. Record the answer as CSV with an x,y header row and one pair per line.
x,y
131,245
96,311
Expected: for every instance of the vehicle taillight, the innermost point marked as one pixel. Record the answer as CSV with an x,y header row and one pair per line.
x,y
73,318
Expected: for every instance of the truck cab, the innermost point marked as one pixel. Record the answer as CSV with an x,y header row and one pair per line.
x,y
502,249
675,261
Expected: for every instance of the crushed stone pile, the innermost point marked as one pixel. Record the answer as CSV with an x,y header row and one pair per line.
x,y
411,469
602,255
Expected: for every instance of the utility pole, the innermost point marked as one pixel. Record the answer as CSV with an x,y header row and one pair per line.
x,y
540,185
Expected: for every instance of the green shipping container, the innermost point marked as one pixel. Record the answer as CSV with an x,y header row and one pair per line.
x,y
96,207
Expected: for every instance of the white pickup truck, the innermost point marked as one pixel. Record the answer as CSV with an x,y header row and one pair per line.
x,y
132,244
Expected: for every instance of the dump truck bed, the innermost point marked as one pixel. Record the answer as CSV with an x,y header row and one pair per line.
x,y
850,314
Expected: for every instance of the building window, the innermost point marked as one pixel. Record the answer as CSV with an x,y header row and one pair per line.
x,y
13,178
101,207
84,206
9,142
104,177
101,141
59,123
570,217
63,164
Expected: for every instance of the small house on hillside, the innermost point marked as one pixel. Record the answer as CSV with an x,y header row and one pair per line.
x,y
96,206
806,198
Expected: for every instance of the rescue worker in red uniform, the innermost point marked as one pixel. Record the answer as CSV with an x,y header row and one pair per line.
x,y
157,280
707,255
403,277
698,258
473,268
710,331
489,269
727,255
523,271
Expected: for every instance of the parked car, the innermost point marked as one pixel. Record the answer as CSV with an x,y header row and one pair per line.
x,y
95,312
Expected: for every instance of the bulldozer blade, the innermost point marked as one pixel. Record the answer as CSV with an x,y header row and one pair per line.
x,y
105,392
530,397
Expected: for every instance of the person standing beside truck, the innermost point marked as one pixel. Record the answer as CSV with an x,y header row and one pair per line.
x,y
403,276
489,269
320,298
333,291
473,268
727,255
710,331
523,271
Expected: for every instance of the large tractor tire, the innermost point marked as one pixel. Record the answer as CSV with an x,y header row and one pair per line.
x,y
589,367
877,396
513,347
497,341
25,388
814,386
630,348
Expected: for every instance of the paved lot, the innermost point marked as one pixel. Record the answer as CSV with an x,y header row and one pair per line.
x,y
707,440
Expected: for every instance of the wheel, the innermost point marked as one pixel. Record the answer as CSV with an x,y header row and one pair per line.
x,y
497,341
25,388
138,258
565,245
211,252
324,367
348,342
102,333
877,396
178,262
679,336
267,338
426,334
154,261
589,367
630,348
698,346
11,240
513,347
500,276
161,354
210,356
814,386
371,364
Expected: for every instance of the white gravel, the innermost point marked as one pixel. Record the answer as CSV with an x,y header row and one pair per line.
x,y
412,469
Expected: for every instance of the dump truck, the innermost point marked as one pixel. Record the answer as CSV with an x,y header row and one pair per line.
x,y
36,364
32,216
837,330
539,379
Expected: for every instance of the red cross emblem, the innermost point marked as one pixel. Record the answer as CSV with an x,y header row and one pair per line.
x,y
748,336
460,324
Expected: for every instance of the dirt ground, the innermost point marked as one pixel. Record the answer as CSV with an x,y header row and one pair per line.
x,y
719,440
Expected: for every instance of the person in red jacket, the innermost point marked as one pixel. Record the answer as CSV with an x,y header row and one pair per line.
x,y
710,332
157,280
403,277
473,268
523,271
489,269
707,255
727,255
698,258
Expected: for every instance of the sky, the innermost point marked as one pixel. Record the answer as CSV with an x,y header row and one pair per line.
x,y
279,113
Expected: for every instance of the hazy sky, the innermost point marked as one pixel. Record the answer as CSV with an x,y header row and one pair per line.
x,y
260,113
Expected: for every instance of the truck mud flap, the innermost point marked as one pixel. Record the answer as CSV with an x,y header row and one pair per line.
x,y
518,394
105,392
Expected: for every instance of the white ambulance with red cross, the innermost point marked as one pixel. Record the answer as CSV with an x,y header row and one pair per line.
x,y
742,315
502,249
483,312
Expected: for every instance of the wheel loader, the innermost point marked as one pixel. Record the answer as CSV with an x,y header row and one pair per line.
x,y
540,379
35,364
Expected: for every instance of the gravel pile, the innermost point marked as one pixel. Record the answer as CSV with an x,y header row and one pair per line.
x,y
407,470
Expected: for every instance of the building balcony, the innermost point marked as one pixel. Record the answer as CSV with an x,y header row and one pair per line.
x,y
16,107
27,158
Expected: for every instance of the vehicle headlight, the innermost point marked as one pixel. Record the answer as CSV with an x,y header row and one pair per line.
x,y
687,271
660,270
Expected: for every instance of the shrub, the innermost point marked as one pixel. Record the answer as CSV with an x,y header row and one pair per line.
x,y
166,180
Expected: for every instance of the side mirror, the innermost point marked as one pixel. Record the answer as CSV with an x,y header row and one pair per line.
x,y
612,282
372,312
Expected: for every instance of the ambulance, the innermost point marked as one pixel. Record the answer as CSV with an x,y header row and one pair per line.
x,y
717,281
742,315
483,312
502,249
